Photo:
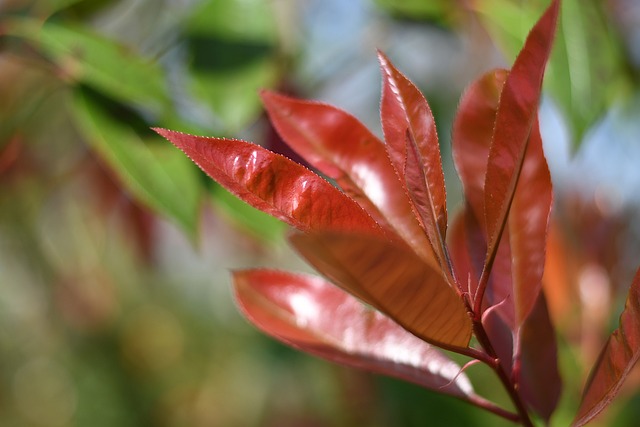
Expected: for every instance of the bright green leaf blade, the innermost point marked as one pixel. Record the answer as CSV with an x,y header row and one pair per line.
x,y
107,66
232,94
160,177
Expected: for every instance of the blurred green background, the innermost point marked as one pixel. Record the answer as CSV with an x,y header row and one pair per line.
x,y
115,302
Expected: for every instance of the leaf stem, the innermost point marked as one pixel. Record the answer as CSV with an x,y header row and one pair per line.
x,y
510,387
493,408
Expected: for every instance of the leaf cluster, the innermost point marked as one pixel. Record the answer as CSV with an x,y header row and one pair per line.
x,y
401,280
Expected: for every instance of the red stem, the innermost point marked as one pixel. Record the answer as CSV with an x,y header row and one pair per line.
x,y
489,355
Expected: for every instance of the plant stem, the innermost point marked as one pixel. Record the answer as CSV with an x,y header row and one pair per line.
x,y
507,382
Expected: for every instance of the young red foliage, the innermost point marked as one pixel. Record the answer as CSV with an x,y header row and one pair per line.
x,y
412,143
313,315
274,184
515,118
383,238
392,279
342,148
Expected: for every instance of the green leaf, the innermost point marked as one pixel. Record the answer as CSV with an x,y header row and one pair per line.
x,y
104,64
248,20
157,175
232,94
439,10
258,223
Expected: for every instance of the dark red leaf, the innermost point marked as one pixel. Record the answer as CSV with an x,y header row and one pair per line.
x,y
616,360
392,279
341,147
539,380
274,184
517,272
528,226
313,315
517,111
406,116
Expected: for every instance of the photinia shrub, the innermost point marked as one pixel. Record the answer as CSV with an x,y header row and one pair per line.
x,y
400,279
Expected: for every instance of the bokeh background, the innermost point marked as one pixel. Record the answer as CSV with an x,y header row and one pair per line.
x,y
115,251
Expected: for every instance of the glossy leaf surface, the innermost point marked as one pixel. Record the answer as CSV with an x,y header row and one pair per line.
x,y
315,316
341,147
409,130
394,280
616,361
274,184
517,111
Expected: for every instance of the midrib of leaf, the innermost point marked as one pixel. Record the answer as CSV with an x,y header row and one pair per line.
x,y
441,250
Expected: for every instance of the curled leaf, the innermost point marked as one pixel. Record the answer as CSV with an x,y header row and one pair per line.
x,y
394,280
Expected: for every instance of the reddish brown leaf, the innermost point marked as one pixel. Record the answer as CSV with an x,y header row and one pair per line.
x,y
394,280
516,114
616,360
341,147
467,249
539,380
274,184
404,111
471,136
517,272
528,226
313,315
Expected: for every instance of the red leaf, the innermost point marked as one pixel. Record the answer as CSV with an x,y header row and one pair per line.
x,y
467,248
471,136
406,117
539,380
392,279
615,362
517,111
517,272
529,225
274,184
313,315
341,147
